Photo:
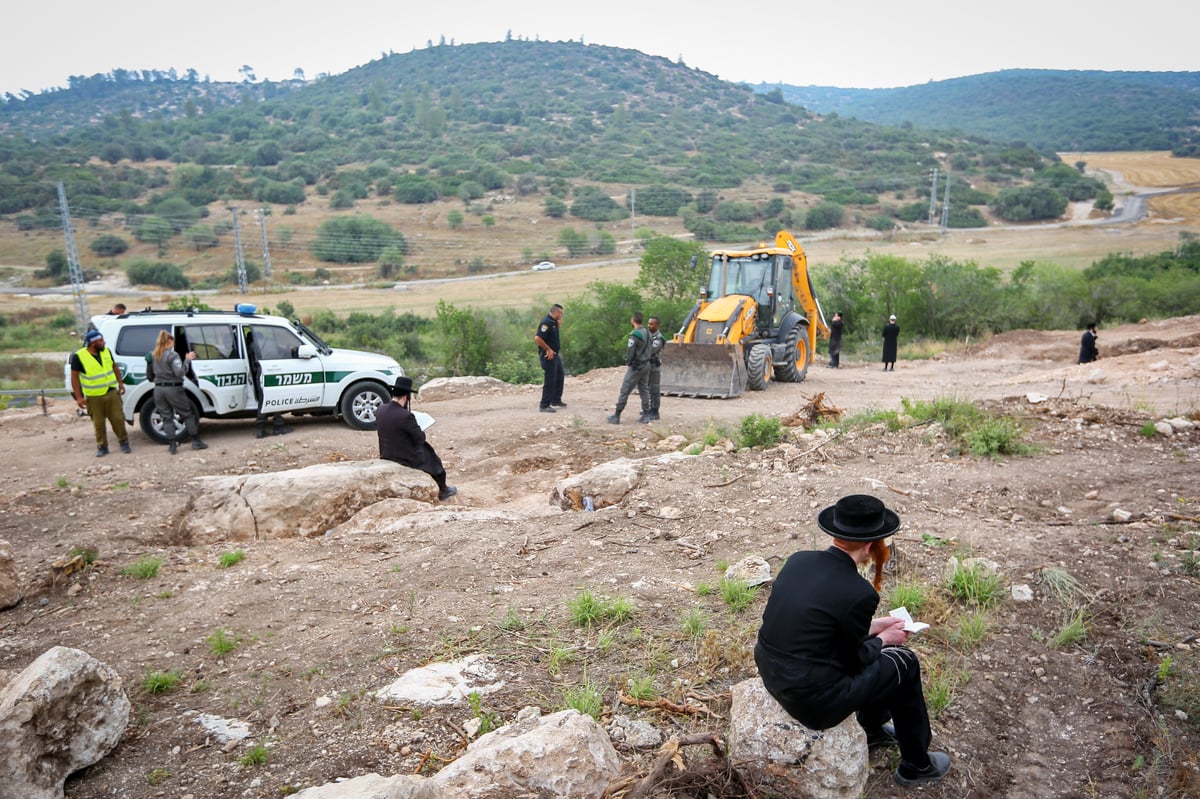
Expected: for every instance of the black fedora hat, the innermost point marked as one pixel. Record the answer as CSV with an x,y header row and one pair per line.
x,y
403,386
858,517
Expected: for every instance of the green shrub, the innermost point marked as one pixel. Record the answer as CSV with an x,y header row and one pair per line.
x,y
760,431
143,568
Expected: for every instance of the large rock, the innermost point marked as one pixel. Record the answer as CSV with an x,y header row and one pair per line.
x,y
606,484
373,786
10,580
565,754
826,764
443,388
297,502
64,712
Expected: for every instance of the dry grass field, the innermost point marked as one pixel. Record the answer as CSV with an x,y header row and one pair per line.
x,y
499,255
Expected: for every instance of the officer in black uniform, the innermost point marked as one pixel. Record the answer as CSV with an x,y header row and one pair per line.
x,y
550,358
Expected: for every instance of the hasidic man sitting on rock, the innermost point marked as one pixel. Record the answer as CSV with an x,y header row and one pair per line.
x,y
822,655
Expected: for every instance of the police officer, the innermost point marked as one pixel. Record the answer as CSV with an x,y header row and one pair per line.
x,y
96,385
654,372
637,363
550,359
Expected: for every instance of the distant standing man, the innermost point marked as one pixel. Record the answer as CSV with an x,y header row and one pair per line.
x,y
96,385
1087,345
891,333
550,358
654,372
637,362
835,340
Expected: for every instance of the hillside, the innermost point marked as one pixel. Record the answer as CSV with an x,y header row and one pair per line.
x,y
1051,110
317,623
576,127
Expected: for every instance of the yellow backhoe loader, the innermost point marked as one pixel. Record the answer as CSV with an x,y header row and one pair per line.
x,y
757,320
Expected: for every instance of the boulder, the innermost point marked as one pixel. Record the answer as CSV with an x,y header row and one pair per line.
x,y
752,570
565,754
606,484
823,764
10,580
64,712
297,502
444,683
443,388
373,786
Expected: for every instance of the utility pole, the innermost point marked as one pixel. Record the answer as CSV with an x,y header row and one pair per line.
x,y
261,216
946,204
633,217
77,282
241,262
933,197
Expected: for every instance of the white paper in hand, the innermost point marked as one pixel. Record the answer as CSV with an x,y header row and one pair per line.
x,y
423,419
909,625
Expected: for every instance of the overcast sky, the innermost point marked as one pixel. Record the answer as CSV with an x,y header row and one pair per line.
x,y
865,44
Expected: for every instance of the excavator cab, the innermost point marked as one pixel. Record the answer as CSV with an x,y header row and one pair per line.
x,y
756,320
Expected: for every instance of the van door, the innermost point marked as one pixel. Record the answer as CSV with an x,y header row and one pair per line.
x,y
220,364
289,382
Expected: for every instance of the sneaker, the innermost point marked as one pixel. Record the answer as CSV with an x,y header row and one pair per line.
x,y
559,404
939,765
447,492
172,447
101,452
614,419
546,409
198,444
125,447
885,736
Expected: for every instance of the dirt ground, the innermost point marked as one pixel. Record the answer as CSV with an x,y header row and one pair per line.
x,y
322,621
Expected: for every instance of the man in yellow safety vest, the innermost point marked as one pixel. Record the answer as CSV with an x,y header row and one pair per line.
x,y
96,385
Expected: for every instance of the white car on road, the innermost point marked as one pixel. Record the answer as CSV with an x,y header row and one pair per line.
x,y
543,266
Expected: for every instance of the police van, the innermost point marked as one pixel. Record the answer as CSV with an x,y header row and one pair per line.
x,y
300,373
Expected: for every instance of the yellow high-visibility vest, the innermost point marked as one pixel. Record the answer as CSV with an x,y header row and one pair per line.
x,y
97,377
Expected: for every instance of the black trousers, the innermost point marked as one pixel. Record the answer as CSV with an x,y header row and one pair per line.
x,y
552,379
888,688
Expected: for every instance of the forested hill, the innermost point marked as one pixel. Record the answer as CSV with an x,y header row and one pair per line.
x,y
1053,110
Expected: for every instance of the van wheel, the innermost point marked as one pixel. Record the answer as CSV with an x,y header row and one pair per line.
x,y
360,402
151,421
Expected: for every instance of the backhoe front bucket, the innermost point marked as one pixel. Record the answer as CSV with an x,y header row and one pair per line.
x,y
702,370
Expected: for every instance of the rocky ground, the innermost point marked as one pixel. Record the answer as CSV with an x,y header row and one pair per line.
x,y
320,622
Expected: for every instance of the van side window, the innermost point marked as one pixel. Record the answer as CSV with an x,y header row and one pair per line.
x,y
275,343
212,342
137,340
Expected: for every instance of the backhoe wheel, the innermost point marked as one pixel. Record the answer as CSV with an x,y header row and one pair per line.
x,y
758,367
794,369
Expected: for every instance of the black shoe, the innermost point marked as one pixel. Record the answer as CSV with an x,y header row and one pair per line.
x,y
546,409
939,765
198,444
101,452
559,404
644,419
172,447
447,492
280,429
883,737
614,419
126,448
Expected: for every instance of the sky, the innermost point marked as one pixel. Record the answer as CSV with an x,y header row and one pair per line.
x,y
864,44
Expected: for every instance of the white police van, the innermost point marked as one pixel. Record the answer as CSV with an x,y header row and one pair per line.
x,y
301,374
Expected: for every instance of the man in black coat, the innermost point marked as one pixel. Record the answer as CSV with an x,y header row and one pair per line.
x,y
835,340
891,336
822,655
1087,345
402,440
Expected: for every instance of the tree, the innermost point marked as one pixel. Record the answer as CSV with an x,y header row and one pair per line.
x,y
455,219
554,208
108,245
155,230
824,216
666,269
355,239
465,342
201,237
575,242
